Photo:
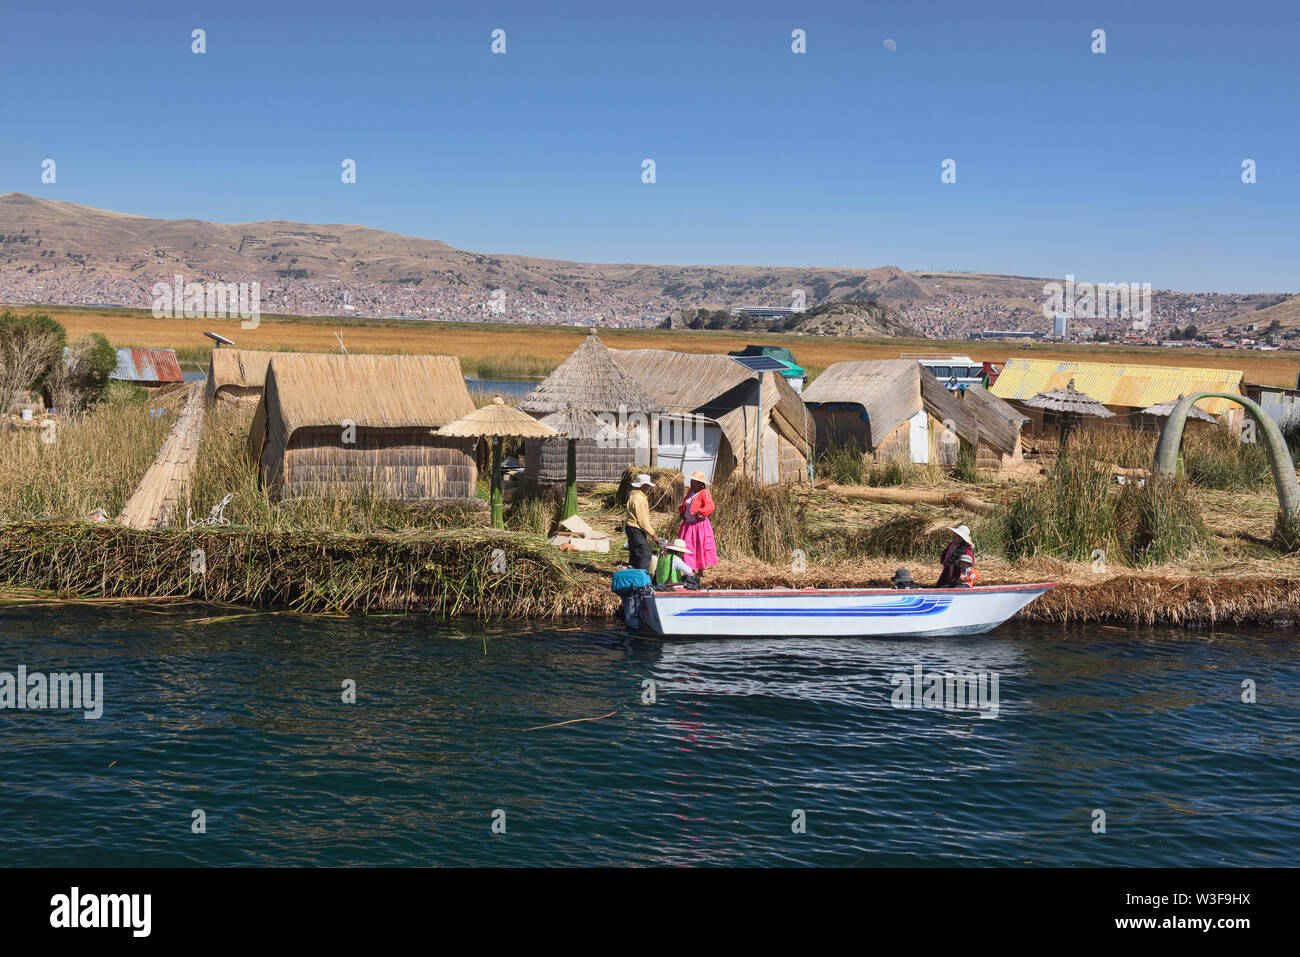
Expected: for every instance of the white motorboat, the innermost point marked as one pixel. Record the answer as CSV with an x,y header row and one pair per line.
x,y
838,611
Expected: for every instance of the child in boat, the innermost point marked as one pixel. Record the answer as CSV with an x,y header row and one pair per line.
x,y
951,559
671,569
696,529
967,574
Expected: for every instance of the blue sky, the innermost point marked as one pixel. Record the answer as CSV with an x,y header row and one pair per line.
x,y
1121,167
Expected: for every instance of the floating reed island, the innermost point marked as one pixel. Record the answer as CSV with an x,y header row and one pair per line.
x,y
322,485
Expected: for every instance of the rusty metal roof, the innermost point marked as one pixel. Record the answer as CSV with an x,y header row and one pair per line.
x,y
1136,386
147,365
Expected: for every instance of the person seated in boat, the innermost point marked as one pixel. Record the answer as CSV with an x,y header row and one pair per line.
x,y
960,545
903,579
696,530
672,568
967,573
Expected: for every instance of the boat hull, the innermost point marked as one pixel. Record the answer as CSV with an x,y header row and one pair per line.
x,y
838,611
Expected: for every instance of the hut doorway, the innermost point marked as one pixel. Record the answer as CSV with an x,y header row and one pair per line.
x,y
918,433
689,443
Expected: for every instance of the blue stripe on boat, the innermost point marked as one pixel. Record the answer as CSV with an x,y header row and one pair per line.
x,y
899,608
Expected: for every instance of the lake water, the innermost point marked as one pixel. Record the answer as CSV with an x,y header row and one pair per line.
x,y
244,720
515,387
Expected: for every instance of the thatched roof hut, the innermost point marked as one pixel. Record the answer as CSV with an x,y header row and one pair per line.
x,y
889,407
999,428
589,383
708,418
601,454
348,422
237,375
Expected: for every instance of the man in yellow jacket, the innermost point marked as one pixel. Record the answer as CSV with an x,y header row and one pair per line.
x,y
636,523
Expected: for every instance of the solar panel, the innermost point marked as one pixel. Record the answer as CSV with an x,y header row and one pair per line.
x,y
760,363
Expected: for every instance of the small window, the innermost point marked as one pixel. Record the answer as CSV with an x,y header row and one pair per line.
x,y
940,372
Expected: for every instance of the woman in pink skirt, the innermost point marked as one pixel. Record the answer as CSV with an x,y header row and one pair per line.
x,y
696,529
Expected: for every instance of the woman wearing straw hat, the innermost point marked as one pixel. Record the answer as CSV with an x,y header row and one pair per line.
x,y
956,558
696,529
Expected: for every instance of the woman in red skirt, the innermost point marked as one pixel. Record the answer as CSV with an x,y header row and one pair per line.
x,y
696,529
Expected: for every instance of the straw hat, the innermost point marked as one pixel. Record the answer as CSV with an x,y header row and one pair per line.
x,y
962,532
679,546
642,480
497,420
700,477
965,559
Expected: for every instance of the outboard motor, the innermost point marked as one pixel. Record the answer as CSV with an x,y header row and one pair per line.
x,y
630,584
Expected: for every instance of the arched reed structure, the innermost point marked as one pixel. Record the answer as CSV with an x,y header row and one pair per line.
x,y
1279,457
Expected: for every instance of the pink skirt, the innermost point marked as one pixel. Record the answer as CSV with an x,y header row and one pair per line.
x,y
701,551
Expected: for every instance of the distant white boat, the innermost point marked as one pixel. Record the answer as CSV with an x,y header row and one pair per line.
x,y
811,612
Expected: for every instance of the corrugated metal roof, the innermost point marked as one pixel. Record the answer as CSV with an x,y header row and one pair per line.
x,y
147,365
1136,386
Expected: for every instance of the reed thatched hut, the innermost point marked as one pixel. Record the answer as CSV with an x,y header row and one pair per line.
x,y
613,406
361,422
889,407
710,420
237,376
1000,426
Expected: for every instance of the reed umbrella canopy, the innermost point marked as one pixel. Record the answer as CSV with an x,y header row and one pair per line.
x,y
1163,410
1068,403
497,421
592,379
575,424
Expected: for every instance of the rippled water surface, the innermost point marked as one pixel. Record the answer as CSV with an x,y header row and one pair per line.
x,y
243,719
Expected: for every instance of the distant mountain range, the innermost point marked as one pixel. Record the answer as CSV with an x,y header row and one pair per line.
x,y
81,254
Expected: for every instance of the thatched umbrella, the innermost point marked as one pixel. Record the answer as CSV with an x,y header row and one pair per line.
x,y
577,424
497,421
1068,402
591,378
1163,410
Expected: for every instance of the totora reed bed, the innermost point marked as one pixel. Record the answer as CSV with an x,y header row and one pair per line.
x,y
489,574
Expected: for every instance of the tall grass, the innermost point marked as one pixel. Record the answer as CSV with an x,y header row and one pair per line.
x,y
481,397
1067,515
842,464
534,508
907,535
1078,513
966,469
764,522
899,469
510,365
95,461
1158,522
1217,458
1291,432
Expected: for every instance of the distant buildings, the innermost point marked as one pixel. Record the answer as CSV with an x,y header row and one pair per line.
x,y
147,367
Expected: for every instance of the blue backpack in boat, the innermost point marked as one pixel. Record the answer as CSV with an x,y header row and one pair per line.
x,y
629,580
